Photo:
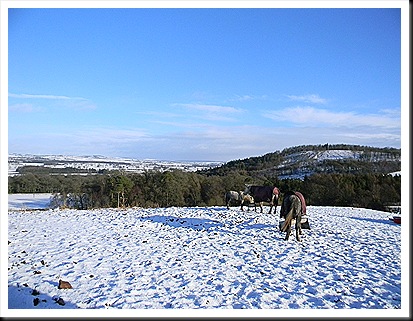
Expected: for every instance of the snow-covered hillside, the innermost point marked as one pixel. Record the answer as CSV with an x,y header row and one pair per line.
x,y
301,164
336,154
205,258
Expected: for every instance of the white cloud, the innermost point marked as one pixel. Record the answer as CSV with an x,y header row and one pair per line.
x,y
79,103
211,108
315,99
244,98
159,114
393,112
241,98
111,135
189,137
24,108
310,116
389,137
181,124
29,96
204,142
211,112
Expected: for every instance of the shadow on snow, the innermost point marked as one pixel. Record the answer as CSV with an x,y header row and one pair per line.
x,y
204,223
193,223
24,297
374,220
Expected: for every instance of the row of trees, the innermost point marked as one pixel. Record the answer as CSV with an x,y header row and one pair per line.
x,y
178,188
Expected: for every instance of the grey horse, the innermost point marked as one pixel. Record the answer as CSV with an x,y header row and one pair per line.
x,y
292,208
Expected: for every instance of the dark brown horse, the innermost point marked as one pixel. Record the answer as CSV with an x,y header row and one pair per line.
x,y
292,208
269,194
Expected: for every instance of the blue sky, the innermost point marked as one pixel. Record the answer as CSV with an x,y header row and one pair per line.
x,y
201,84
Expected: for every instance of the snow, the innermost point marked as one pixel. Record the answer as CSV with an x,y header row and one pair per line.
x,y
174,261
334,154
29,201
337,154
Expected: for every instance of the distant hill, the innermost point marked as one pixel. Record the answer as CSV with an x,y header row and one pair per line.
x,y
305,160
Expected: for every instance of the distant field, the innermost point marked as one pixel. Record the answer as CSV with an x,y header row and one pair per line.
x,y
29,201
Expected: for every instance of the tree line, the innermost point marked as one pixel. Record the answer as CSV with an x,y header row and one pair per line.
x,y
181,189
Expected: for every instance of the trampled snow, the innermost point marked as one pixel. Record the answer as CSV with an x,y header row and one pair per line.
x,y
169,260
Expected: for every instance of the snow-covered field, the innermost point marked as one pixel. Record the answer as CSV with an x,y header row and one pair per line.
x,y
181,261
29,201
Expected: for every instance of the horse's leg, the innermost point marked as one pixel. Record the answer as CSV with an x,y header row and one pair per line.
x,y
297,215
291,215
298,228
288,232
274,203
271,206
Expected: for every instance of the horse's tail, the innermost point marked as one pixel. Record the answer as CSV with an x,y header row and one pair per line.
x,y
227,200
288,219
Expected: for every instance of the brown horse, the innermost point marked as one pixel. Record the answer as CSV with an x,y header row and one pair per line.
x,y
292,208
269,194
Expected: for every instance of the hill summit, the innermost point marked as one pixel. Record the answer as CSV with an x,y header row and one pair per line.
x,y
305,160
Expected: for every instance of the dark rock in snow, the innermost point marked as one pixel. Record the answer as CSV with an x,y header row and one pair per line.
x,y
60,301
35,292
